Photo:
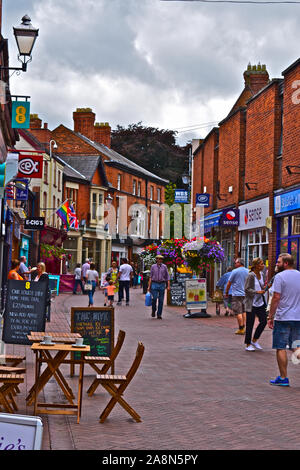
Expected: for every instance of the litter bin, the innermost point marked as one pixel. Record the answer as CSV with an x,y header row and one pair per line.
x,y
145,281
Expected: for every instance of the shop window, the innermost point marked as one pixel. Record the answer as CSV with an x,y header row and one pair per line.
x,y
284,227
295,224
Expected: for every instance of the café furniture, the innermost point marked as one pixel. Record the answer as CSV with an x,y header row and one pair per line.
x,y
44,355
110,382
57,336
108,362
7,391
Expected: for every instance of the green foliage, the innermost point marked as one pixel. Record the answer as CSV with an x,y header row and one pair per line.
x,y
152,148
51,251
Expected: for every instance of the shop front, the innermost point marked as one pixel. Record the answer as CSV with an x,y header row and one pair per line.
x,y
287,213
253,231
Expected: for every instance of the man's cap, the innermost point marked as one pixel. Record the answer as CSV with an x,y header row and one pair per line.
x,y
159,256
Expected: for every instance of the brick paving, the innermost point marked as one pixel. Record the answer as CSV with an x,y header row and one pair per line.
x,y
196,387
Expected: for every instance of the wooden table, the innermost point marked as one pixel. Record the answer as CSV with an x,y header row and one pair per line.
x,y
57,336
43,355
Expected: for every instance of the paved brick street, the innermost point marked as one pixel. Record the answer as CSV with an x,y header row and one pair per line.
x,y
196,387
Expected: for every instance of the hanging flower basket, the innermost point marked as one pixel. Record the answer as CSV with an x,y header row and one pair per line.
x,y
201,254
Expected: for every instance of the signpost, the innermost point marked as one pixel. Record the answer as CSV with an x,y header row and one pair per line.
x,y
25,310
20,432
195,291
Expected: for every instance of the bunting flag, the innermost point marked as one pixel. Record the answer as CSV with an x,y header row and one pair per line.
x,y
73,218
64,213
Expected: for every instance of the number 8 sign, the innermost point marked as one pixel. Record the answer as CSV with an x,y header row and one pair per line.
x,y
20,115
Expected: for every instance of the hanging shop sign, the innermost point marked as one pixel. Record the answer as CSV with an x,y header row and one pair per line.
x,y
230,218
21,189
30,166
254,214
20,118
202,199
212,220
286,202
181,196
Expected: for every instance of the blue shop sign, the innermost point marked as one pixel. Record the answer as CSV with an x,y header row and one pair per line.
x,y
212,220
202,199
287,202
182,196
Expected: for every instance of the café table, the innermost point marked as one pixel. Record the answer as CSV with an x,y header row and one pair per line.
x,y
43,355
57,336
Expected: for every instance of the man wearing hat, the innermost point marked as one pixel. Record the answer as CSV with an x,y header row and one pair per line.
x,y
158,281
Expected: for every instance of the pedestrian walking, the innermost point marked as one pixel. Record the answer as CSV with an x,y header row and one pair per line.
x,y
92,279
237,282
158,281
78,279
110,293
136,273
255,304
222,284
124,276
113,274
284,315
85,268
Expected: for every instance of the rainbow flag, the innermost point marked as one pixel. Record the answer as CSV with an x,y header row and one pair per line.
x,y
64,213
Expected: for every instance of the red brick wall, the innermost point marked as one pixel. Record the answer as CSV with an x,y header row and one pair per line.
x,y
262,142
70,144
291,127
231,159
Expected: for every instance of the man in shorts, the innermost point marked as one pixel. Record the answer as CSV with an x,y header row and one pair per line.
x,y
236,283
284,316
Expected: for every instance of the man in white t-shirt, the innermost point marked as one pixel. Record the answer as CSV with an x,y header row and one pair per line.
x,y
124,275
284,316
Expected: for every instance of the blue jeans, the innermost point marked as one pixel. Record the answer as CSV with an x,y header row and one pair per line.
x,y
124,285
286,333
158,293
91,292
78,282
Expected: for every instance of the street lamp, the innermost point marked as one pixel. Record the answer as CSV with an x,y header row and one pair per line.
x,y
52,141
25,35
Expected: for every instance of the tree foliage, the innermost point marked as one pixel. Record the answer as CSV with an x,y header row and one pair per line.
x,y
152,148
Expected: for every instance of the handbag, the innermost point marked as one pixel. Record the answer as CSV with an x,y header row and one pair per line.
x,y
88,287
217,296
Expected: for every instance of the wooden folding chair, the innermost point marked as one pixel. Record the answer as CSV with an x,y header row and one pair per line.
x,y
107,361
10,382
109,383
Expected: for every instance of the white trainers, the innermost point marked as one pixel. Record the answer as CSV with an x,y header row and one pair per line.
x,y
250,348
256,345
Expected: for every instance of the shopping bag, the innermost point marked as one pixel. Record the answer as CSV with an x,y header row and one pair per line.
x,y
88,287
148,299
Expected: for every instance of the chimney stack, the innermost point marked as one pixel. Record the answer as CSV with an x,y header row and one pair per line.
x,y
256,77
35,121
102,133
84,120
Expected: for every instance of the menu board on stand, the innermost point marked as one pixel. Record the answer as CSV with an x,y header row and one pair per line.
x,y
196,298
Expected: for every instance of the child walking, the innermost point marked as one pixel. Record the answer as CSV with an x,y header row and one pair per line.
x,y
111,292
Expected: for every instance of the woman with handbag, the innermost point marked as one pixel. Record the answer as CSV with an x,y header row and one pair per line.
x,y
255,304
92,281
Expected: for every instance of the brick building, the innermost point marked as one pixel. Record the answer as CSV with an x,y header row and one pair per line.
x,y
251,163
104,179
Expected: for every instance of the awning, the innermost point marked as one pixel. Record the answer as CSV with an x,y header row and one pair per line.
x,y
211,220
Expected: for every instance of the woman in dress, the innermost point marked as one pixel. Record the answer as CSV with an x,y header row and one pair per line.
x,y
92,279
255,304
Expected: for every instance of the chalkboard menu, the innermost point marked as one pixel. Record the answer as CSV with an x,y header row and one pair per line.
x,y
25,310
96,326
177,289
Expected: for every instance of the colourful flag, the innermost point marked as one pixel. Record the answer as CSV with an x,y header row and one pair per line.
x,y
64,213
73,218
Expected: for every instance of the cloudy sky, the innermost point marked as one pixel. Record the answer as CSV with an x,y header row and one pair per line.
x,y
170,64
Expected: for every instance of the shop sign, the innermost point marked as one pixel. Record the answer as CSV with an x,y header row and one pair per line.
x,y
230,218
30,166
21,189
181,196
212,220
202,199
287,202
20,112
254,214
